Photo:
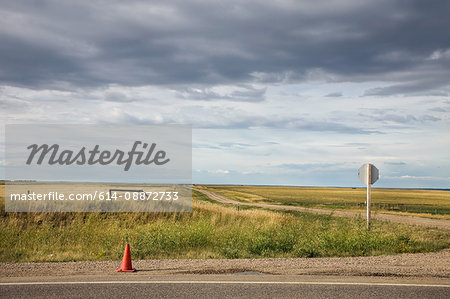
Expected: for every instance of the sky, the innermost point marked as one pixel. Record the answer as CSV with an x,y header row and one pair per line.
x,y
277,92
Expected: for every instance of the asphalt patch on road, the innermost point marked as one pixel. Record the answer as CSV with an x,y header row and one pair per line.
x,y
226,271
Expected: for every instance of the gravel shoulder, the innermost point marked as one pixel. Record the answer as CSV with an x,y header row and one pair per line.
x,y
422,265
410,220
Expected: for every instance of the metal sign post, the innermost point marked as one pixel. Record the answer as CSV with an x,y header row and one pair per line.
x,y
368,195
368,174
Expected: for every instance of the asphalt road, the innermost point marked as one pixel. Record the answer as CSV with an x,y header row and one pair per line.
x,y
225,286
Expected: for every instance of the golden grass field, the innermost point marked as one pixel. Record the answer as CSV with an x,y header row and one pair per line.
x,y
211,230
424,203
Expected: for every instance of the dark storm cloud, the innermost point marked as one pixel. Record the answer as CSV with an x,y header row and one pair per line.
x,y
49,44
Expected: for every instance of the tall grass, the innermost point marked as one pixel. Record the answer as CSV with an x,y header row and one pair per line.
x,y
210,231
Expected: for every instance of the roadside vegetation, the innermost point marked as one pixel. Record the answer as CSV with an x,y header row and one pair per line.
x,y
210,231
424,203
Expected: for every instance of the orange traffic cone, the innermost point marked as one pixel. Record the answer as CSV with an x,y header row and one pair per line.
x,y
126,261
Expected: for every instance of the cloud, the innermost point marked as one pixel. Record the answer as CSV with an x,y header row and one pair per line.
x,y
221,171
309,166
239,94
243,121
205,146
395,163
440,54
432,178
222,145
235,145
334,95
388,116
327,126
440,109
117,97
415,87
74,44
13,105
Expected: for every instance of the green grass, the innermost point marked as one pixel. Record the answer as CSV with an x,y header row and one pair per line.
x,y
210,231
426,203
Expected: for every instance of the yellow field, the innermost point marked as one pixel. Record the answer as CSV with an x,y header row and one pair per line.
x,y
211,230
426,203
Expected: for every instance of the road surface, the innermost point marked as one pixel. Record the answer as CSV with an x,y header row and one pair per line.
x,y
223,286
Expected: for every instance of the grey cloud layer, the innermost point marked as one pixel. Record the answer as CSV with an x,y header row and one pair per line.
x,y
89,44
244,94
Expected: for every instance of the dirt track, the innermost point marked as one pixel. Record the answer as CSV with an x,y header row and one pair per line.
x,y
411,220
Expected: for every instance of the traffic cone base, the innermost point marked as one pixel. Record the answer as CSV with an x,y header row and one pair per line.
x,y
126,261
120,270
